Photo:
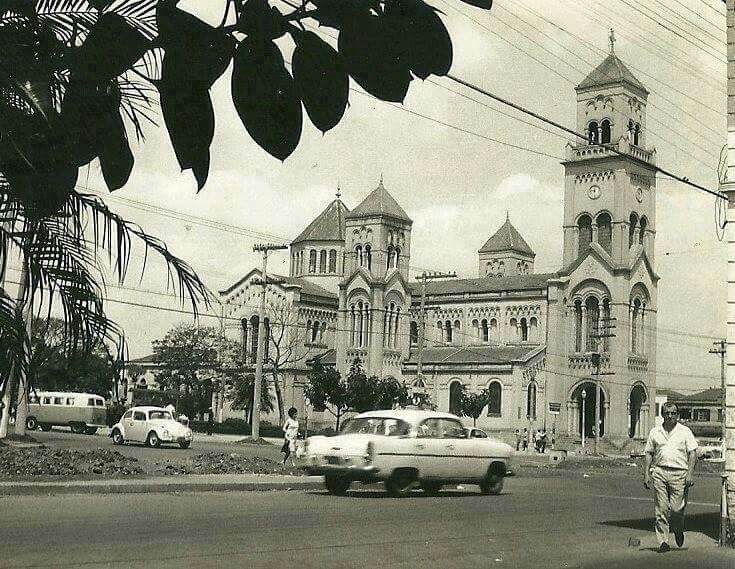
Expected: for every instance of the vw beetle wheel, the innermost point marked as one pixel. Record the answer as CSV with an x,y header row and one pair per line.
x,y
400,484
117,438
153,441
337,485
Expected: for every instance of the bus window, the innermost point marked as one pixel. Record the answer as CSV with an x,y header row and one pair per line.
x,y
47,401
70,401
100,402
90,402
58,400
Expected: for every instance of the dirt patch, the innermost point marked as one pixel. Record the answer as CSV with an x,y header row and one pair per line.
x,y
43,461
618,465
224,463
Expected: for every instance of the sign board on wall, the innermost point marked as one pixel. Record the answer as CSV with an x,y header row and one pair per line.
x,y
554,408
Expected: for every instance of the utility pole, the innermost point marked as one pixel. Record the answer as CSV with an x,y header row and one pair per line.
x,y
427,276
604,330
727,186
720,348
264,282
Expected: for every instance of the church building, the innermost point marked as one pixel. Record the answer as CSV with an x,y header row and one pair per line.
x,y
536,341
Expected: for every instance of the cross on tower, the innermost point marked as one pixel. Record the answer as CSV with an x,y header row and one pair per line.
x,y
612,40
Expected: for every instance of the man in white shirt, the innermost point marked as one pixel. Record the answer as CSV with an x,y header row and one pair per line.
x,y
671,453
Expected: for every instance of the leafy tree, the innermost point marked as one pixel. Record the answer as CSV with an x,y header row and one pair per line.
x,y
243,391
371,393
325,390
188,357
472,404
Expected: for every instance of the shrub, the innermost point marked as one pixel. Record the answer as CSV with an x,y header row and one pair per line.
x,y
115,412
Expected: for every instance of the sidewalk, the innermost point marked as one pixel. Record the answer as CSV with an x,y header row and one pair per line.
x,y
187,483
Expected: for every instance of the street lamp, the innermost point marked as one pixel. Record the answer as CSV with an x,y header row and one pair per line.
x,y
584,396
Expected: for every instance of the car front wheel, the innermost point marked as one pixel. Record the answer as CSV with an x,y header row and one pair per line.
x,y
337,485
400,483
493,484
153,440
117,438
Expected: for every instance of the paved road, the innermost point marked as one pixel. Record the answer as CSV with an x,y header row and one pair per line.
x,y
64,438
562,521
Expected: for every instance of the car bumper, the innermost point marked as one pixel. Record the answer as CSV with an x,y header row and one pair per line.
x,y
353,472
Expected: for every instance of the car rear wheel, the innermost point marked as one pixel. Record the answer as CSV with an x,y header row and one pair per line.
x,y
431,488
337,485
153,441
117,438
493,483
185,444
401,483
31,423
46,428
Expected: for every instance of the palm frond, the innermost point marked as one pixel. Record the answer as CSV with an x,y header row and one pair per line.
x,y
14,342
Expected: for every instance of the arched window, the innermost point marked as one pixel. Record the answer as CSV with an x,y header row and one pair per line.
x,y
485,331
312,261
414,333
315,332
513,329
585,233
604,231
456,331
631,229
501,268
593,323
395,327
332,261
533,330
322,330
492,334
308,331
476,329
524,330
455,396
389,260
605,324
637,135
641,236
397,255
440,326
323,261
360,321
368,257
353,325
254,322
578,326
531,400
495,403
605,131
358,255
634,326
266,338
448,332
592,134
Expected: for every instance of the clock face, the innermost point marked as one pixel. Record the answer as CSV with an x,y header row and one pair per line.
x,y
639,195
594,192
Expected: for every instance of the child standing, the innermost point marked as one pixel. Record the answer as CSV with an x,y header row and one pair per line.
x,y
290,432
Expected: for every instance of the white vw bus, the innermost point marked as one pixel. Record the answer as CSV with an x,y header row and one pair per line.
x,y
83,412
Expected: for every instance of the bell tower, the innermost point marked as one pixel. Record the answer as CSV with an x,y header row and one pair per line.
x,y
610,183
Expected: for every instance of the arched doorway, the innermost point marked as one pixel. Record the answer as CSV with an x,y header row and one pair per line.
x,y
636,401
583,397
455,394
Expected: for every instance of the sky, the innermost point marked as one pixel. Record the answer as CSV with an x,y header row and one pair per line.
x,y
450,173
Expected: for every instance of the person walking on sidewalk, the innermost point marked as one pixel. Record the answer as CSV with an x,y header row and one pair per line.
x,y
671,453
290,432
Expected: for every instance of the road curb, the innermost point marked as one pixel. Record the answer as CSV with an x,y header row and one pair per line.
x,y
144,487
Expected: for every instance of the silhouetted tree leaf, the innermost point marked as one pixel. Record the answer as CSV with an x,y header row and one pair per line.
x,y
424,40
261,21
373,58
486,4
116,158
321,79
265,97
110,49
43,189
189,116
334,13
195,51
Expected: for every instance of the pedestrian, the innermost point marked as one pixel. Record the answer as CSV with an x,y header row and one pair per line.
x,y
524,439
290,432
171,409
542,441
518,439
671,453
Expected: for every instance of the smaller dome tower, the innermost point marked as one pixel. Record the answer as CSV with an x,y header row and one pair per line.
x,y
505,253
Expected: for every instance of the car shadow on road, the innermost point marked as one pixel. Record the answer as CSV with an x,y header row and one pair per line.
x,y
373,493
706,523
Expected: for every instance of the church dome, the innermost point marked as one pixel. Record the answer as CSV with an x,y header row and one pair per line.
x,y
380,203
329,225
507,239
611,71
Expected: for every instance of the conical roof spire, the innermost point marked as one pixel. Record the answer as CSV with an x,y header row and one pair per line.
x,y
506,239
329,225
379,203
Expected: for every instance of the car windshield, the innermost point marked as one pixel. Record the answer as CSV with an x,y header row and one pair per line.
x,y
160,415
377,426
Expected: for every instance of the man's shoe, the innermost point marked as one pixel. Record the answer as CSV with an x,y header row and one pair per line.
x,y
664,547
679,537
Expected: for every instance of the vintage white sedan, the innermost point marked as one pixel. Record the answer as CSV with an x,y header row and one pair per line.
x,y
405,449
152,426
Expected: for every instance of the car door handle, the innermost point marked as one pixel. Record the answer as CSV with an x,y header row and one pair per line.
x,y
420,446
